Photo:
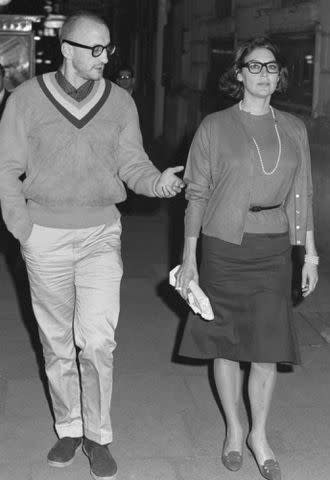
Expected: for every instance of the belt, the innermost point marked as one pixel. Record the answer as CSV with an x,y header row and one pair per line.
x,y
258,209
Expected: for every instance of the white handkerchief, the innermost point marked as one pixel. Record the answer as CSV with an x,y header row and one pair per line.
x,y
197,300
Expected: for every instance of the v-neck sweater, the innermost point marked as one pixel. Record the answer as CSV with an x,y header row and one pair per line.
x,y
75,155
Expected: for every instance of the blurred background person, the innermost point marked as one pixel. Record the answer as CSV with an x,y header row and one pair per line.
x,y
126,78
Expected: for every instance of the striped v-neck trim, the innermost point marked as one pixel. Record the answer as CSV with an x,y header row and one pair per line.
x,y
78,113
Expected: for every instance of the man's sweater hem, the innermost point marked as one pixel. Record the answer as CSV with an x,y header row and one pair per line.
x,y
72,218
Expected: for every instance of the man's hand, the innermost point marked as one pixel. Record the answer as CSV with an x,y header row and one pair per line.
x,y
168,184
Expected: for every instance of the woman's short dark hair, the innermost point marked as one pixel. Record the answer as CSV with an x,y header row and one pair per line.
x,y
229,83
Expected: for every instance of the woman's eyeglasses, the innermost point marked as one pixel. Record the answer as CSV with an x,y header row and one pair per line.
x,y
256,67
97,50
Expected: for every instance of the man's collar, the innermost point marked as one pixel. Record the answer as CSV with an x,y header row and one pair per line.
x,y
78,94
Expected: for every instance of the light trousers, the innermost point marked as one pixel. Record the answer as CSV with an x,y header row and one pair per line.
x,y
75,277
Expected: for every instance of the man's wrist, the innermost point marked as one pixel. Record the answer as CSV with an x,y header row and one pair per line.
x,y
154,187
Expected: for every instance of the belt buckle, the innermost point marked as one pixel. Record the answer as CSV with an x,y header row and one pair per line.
x,y
255,209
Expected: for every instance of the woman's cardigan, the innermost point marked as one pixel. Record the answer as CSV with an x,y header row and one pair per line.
x,y
219,177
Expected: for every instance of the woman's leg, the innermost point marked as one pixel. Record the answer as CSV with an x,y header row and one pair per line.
x,y
261,386
228,380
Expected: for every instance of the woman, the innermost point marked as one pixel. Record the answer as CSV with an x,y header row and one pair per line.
x,y
249,190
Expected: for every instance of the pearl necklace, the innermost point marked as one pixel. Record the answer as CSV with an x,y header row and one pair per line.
x,y
258,148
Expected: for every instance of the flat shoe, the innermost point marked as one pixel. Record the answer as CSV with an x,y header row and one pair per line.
x,y
270,469
232,460
63,452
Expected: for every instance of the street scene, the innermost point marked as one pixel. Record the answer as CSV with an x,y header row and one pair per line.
x,y
164,239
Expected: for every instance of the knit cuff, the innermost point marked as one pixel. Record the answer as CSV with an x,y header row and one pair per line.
x,y
154,191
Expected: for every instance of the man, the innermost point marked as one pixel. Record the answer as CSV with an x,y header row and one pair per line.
x,y
125,79
76,137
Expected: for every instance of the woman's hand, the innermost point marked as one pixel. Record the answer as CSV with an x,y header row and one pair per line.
x,y
309,278
186,273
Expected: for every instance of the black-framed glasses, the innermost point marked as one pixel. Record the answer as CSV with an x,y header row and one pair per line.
x,y
256,67
97,50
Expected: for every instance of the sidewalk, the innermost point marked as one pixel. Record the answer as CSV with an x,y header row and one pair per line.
x,y
166,420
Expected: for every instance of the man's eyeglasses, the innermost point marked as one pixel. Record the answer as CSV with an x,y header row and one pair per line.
x,y
97,50
256,67
124,77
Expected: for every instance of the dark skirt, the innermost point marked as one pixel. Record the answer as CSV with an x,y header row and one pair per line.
x,y
249,287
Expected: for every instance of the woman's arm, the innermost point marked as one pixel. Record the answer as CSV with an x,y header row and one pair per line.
x,y
188,269
310,244
197,177
309,271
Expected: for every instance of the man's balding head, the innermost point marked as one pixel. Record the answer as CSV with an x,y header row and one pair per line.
x,y
79,22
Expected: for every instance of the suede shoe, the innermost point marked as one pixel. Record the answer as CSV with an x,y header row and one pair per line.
x,y
63,452
102,463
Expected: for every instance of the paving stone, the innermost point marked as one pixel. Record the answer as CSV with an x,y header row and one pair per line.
x,y
26,398
300,429
25,439
9,307
207,432
185,370
302,389
146,469
147,412
152,434
19,365
148,389
321,322
19,346
3,393
307,465
202,394
307,334
10,471
315,359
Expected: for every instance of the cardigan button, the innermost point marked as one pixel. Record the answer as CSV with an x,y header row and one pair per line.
x,y
297,195
298,227
298,242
